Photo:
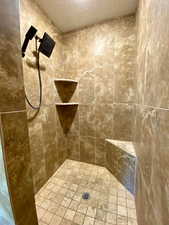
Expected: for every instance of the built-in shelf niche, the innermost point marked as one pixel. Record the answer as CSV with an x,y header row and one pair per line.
x,y
66,113
67,104
65,88
66,110
65,81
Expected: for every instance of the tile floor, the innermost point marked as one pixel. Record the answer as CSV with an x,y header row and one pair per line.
x,y
59,202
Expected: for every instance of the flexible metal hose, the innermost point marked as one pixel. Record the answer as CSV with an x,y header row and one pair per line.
x,y
40,80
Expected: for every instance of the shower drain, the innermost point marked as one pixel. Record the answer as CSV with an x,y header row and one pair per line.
x,y
86,195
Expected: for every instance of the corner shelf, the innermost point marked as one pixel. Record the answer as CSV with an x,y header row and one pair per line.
x,y
68,81
66,110
66,113
67,104
65,88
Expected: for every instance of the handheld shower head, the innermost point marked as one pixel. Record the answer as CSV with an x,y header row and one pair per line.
x,y
29,36
31,33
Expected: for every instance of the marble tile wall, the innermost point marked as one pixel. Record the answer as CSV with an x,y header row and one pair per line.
x,y
13,117
152,113
102,58
47,140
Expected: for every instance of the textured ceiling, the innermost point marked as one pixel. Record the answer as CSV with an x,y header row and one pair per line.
x,y
70,15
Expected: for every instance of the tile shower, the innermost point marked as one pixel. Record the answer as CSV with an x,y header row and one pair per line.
x,y
115,105
100,106
58,188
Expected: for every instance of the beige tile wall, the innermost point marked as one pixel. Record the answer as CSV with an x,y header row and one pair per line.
x,y
152,115
102,58
13,117
47,141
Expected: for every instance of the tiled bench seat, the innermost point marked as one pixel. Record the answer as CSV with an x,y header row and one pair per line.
x,y
121,161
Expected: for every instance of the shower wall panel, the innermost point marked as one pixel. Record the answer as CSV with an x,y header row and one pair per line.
x,y
152,113
102,58
13,117
47,141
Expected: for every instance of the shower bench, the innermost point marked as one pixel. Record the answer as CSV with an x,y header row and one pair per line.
x,y
121,161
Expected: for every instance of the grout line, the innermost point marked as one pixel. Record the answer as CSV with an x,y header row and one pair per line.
x,y
12,112
150,106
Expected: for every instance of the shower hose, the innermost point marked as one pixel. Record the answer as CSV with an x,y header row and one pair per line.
x,y
40,80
